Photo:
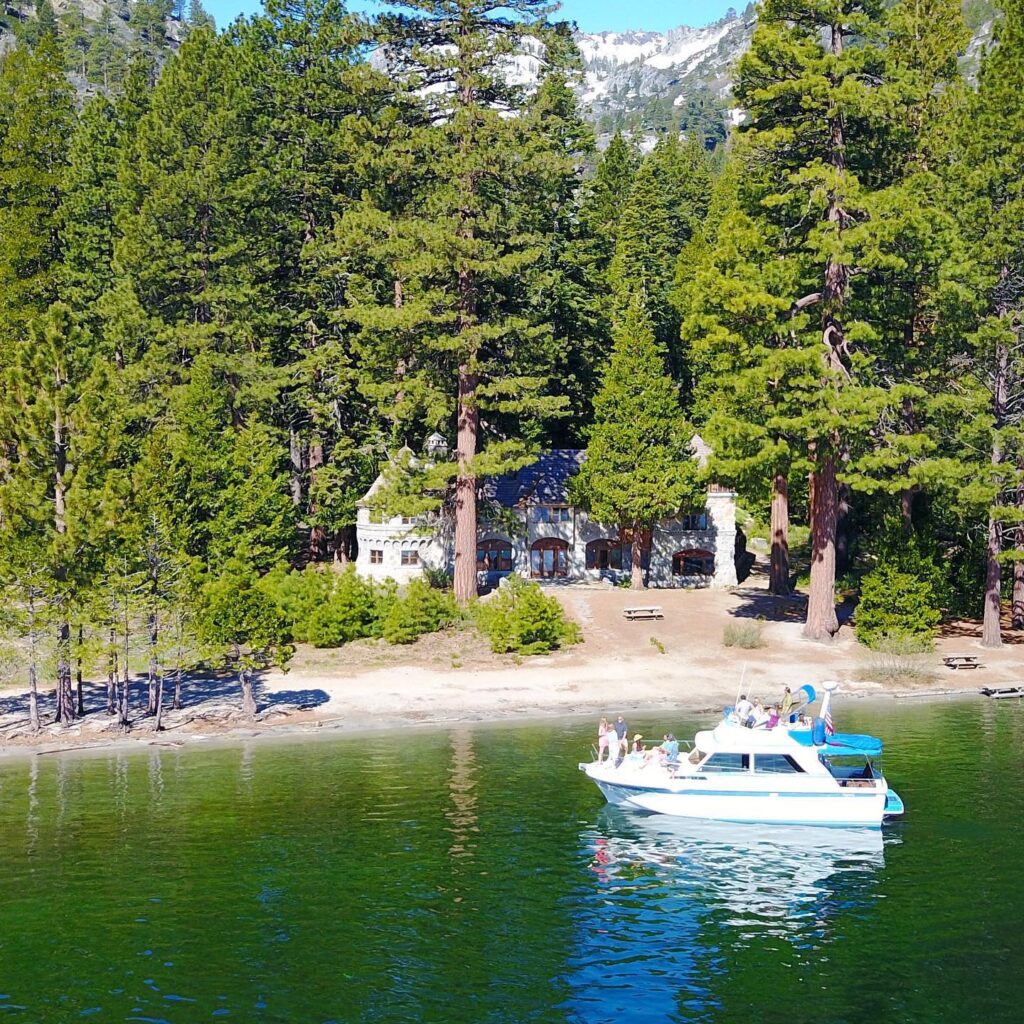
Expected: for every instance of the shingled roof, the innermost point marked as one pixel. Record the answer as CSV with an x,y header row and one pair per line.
x,y
544,482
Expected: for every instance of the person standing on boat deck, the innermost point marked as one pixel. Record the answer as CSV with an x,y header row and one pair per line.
x,y
622,745
788,703
744,709
773,718
603,732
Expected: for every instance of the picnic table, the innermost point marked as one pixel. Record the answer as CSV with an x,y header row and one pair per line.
x,y
959,661
649,611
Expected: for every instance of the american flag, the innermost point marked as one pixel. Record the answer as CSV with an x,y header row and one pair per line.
x,y
829,727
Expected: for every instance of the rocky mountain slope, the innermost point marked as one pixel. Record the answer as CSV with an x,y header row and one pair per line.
x,y
649,82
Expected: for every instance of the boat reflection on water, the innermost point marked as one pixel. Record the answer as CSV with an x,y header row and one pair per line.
x,y
761,873
675,899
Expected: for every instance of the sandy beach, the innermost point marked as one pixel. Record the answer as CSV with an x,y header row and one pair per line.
x,y
677,662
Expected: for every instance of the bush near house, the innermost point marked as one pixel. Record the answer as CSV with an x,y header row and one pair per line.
x,y
419,609
521,618
896,607
746,635
330,609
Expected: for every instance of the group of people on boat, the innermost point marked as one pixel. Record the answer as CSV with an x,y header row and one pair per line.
x,y
753,714
615,747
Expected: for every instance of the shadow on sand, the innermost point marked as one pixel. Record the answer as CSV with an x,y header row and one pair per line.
x,y
198,689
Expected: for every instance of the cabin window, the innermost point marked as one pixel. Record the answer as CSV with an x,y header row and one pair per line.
x,y
552,514
693,563
604,554
695,521
494,555
776,764
410,557
549,558
726,763
410,520
376,556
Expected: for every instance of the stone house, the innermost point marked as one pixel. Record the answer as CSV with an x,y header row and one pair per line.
x,y
528,526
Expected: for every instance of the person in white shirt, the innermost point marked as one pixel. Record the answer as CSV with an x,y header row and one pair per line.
x,y
744,709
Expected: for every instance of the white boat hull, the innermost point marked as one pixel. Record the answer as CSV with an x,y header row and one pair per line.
x,y
748,800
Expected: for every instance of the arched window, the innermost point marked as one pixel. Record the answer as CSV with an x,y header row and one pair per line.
x,y
549,558
494,555
604,554
693,563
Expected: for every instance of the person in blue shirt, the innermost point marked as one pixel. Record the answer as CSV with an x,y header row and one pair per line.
x,y
670,748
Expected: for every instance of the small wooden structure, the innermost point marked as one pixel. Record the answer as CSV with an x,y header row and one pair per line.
x,y
651,611
959,661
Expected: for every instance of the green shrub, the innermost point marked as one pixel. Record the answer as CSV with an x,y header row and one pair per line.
x,y
743,634
896,608
417,610
353,609
298,595
523,619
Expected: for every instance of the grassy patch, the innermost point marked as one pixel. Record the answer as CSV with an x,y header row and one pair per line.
x,y
899,662
746,635
658,645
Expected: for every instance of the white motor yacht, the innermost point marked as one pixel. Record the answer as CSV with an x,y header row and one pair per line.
x,y
790,774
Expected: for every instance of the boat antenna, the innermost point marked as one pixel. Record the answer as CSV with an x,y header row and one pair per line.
x,y
739,689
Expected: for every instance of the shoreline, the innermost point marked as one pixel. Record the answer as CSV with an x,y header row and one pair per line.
x,y
233,734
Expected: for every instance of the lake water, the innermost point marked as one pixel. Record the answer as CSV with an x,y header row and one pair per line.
x,y
474,875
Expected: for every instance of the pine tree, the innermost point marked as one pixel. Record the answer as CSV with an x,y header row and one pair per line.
x,y
813,86
318,104
447,262
986,192
36,119
639,467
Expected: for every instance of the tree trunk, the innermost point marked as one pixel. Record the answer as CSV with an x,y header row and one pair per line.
x,y
1017,606
295,465
843,530
33,697
33,687
176,704
317,534
778,581
991,630
1017,595
908,496
153,639
65,699
78,674
248,697
112,673
465,489
159,724
636,556
65,693
821,601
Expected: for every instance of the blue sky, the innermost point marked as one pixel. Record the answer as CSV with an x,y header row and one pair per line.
x,y
591,15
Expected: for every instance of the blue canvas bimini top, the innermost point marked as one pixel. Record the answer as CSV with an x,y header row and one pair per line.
x,y
853,743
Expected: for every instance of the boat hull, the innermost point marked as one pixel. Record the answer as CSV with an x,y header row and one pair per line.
x,y
732,801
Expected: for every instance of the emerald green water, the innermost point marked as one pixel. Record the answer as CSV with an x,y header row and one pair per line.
x,y
476,876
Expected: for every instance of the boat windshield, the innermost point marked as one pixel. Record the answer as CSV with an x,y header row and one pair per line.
x,y
850,767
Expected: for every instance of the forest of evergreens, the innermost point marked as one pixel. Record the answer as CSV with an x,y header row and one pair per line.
x,y
231,288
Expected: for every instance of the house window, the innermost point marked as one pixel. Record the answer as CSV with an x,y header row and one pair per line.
x,y
410,557
604,554
376,556
552,514
695,521
693,563
726,763
549,558
410,520
494,555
